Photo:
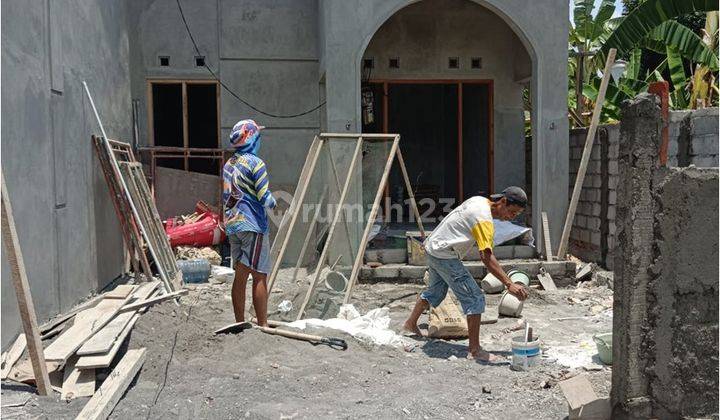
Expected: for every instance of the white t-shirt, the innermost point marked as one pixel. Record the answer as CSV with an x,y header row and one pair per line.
x,y
471,222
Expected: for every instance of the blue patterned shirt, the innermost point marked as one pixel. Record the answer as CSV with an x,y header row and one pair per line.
x,y
246,193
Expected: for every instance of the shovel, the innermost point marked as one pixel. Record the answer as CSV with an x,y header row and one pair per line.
x,y
335,343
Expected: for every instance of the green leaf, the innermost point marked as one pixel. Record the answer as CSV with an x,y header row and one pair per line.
x,y
582,15
647,16
685,42
605,12
677,70
634,64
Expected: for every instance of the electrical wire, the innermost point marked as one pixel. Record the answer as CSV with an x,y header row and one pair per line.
x,y
230,91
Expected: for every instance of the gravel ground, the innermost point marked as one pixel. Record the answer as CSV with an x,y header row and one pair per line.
x,y
192,374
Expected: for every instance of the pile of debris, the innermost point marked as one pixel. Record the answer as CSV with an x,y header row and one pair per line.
x,y
87,347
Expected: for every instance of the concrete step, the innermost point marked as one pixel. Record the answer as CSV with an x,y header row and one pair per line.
x,y
562,272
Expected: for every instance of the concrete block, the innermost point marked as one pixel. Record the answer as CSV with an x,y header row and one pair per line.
x,y
613,151
612,228
595,238
580,221
595,153
593,223
575,153
593,167
613,167
704,124
613,181
593,195
705,161
585,236
678,116
706,144
596,208
503,252
611,212
597,181
612,197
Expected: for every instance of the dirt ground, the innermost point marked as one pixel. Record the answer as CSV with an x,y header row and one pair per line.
x,y
192,374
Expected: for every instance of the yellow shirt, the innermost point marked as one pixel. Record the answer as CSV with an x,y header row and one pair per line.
x,y
471,222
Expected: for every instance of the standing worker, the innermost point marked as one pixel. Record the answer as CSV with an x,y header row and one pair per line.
x,y
246,194
470,222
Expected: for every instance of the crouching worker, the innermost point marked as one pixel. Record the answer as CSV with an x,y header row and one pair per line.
x,y
470,222
246,194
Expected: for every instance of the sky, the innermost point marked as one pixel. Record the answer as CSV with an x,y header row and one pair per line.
x,y
618,8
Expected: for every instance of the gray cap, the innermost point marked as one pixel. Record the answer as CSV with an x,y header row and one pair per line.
x,y
514,195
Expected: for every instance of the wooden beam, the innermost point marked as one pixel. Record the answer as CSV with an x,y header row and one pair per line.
x,y
331,231
337,183
585,156
20,282
308,235
105,359
411,194
546,237
371,220
10,357
120,292
103,340
87,323
148,302
77,383
293,212
103,402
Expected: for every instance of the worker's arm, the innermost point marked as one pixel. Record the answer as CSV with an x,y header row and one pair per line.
x,y
262,185
483,232
493,266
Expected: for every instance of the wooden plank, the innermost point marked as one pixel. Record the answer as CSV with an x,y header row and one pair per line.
x,y
87,323
337,184
65,317
371,220
308,235
10,357
103,360
148,302
292,215
411,194
77,383
562,248
546,237
26,307
546,281
107,396
338,212
103,340
120,292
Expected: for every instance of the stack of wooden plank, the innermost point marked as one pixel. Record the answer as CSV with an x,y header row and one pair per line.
x,y
93,341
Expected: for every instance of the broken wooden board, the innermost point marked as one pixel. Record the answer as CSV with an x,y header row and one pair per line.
x,y
103,340
65,317
148,302
10,357
546,281
120,292
107,396
87,323
77,383
105,359
23,372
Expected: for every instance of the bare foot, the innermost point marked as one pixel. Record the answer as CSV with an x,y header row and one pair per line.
x,y
483,356
411,328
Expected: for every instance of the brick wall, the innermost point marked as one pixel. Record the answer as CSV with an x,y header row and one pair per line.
x,y
693,140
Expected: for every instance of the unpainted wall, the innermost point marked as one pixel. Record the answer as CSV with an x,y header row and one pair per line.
x,y
665,325
693,140
424,35
65,219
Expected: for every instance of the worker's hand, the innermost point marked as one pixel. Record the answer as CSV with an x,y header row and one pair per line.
x,y
518,290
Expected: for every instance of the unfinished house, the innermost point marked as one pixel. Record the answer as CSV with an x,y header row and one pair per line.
x,y
447,75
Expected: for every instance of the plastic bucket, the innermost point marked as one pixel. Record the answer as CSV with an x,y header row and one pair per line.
x,y
604,346
524,355
510,305
519,276
336,281
491,284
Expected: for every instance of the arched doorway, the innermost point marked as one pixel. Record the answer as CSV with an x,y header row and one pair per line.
x,y
448,75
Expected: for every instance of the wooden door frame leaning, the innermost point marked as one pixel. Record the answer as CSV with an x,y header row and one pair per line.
x,y
20,282
290,218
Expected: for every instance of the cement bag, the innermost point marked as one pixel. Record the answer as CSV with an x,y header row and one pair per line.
x,y
447,321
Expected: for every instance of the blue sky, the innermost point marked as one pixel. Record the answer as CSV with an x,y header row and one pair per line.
x,y
618,8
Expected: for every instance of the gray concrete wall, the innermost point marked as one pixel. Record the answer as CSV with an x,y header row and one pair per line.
x,y
665,325
425,34
182,190
65,220
349,25
693,140
266,51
